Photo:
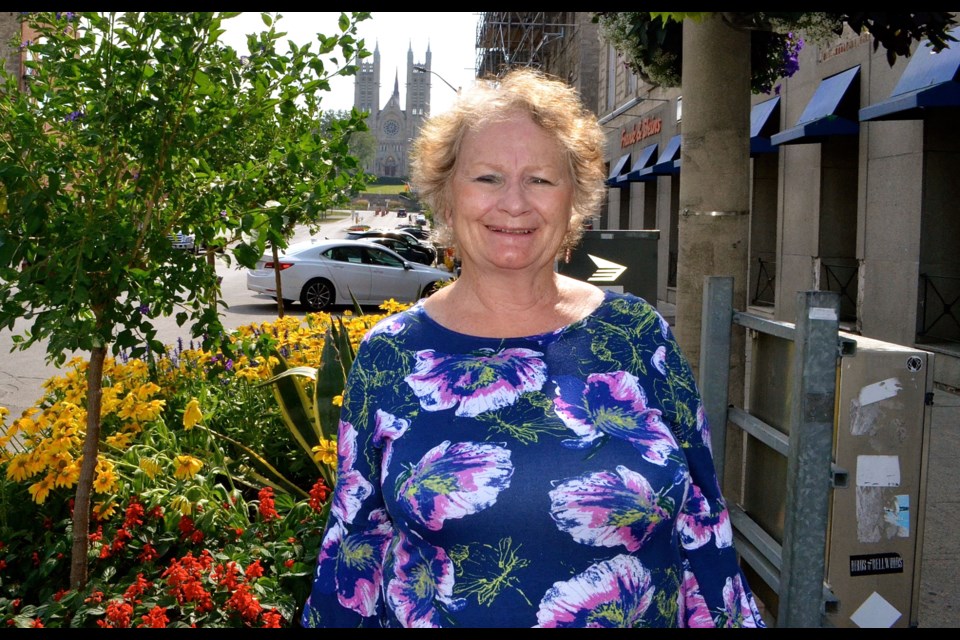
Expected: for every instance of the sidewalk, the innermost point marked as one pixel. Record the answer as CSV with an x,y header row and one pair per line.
x,y
940,559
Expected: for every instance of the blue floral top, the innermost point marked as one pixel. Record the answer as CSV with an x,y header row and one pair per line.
x,y
557,480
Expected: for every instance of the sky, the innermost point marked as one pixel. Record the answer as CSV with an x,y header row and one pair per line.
x,y
451,36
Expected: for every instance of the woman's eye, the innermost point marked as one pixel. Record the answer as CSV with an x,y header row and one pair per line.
x,y
540,181
488,179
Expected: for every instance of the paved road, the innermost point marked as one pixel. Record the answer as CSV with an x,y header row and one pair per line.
x,y
22,373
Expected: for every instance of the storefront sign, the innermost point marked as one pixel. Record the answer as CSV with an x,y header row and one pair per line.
x,y
641,130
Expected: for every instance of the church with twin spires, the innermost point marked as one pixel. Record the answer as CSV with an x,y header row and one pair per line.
x,y
395,125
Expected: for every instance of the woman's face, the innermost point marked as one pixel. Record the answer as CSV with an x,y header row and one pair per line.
x,y
512,196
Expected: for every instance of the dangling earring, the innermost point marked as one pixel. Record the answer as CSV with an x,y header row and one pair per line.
x,y
566,256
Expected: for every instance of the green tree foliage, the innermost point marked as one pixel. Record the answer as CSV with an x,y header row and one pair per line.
x,y
136,125
652,42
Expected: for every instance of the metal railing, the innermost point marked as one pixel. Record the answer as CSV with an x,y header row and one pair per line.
x,y
840,275
764,288
939,308
794,569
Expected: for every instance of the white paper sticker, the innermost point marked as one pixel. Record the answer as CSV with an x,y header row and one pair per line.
x,y
822,313
878,471
879,391
875,613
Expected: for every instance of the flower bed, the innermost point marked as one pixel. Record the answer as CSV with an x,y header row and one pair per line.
x,y
206,511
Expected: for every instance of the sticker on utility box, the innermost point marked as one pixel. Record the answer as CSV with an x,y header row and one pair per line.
x,y
875,564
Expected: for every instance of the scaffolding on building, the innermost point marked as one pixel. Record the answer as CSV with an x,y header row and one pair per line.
x,y
508,39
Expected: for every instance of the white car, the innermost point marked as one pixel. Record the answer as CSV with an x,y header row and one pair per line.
x,y
322,273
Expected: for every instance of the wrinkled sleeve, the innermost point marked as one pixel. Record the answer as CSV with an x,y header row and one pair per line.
x,y
714,589
348,580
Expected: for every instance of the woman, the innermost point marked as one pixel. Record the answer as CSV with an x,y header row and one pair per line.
x,y
523,449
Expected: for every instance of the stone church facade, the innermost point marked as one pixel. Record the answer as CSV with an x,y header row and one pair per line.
x,y
397,123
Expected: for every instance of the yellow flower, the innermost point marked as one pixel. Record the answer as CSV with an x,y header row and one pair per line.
x,y
150,467
106,479
326,453
104,510
338,400
40,490
187,467
182,505
18,469
68,475
192,414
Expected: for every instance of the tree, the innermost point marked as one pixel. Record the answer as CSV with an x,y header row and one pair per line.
x,y
132,126
362,143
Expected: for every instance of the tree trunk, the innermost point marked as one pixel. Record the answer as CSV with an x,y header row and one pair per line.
x,y
88,466
714,191
276,275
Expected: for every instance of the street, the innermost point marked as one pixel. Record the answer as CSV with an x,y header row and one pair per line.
x,y
22,373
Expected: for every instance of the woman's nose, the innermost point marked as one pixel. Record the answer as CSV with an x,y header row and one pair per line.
x,y
514,198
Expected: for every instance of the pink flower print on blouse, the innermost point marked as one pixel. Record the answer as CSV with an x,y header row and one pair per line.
x,y
614,593
422,586
476,383
694,610
697,523
659,360
740,610
453,481
606,509
352,565
388,428
352,488
390,326
612,405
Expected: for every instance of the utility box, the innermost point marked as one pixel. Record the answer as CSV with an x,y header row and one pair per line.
x,y
880,452
624,261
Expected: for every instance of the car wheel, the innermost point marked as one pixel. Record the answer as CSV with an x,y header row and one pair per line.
x,y
317,295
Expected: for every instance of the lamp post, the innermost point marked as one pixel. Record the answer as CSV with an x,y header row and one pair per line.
x,y
423,69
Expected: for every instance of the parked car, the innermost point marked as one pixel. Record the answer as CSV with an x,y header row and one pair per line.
x,y
401,213
422,254
427,250
185,241
417,232
322,273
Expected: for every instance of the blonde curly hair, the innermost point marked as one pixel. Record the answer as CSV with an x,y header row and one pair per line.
x,y
552,104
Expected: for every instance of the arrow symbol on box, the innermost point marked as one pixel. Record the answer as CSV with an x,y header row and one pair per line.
x,y
606,271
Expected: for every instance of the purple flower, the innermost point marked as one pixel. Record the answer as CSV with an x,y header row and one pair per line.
x,y
424,579
144,309
606,509
612,405
74,115
352,488
476,383
352,565
455,480
25,44
615,593
697,523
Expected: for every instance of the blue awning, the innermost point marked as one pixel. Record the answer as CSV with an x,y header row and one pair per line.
x,y
667,164
764,116
832,111
929,82
617,170
645,160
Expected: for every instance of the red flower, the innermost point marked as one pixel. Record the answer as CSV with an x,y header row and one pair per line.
x,y
36,559
272,619
3,564
119,614
186,525
318,495
288,563
227,575
133,515
156,618
37,623
97,535
59,594
94,598
255,570
244,603
268,509
137,589
149,554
